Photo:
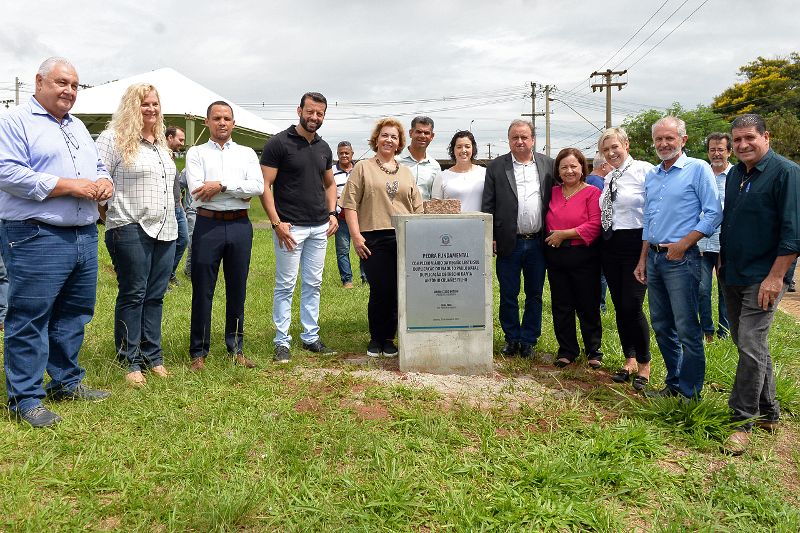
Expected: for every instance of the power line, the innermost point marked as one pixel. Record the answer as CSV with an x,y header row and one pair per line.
x,y
670,33
653,33
635,34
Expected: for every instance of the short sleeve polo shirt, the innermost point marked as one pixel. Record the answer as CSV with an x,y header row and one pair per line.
x,y
298,188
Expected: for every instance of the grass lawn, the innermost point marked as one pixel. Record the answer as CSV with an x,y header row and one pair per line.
x,y
276,449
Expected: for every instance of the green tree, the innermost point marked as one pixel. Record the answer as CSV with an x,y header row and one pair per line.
x,y
699,123
784,134
769,85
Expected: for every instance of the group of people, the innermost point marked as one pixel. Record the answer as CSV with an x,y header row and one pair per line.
x,y
632,224
651,219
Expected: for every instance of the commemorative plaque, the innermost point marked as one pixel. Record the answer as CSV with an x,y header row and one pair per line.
x,y
445,268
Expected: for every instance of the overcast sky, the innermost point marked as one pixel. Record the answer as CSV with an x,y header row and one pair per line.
x,y
465,63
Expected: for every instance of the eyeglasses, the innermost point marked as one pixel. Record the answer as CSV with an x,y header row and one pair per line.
x,y
717,150
70,137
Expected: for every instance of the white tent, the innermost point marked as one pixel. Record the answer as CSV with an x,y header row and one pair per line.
x,y
183,104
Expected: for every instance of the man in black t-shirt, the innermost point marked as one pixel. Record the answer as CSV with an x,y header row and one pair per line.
x,y
301,205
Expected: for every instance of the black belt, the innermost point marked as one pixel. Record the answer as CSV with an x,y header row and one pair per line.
x,y
529,236
658,248
222,215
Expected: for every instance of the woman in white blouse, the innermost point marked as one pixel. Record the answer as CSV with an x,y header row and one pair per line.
x,y
622,219
463,181
140,226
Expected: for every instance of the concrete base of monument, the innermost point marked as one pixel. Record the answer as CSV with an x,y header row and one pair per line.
x,y
444,270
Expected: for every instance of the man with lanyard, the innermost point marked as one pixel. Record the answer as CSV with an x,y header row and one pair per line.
x,y
718,146
341,171
300,201
677,193
759,244
51,178
423,168
222,177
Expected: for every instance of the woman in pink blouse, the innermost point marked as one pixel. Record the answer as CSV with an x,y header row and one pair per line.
x,y
573,259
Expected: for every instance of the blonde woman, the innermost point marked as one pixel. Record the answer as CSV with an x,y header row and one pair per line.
x,y
140,226
621,222
378,188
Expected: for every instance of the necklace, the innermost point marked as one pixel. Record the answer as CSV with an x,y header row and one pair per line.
x,y
573,193
390,172
744,180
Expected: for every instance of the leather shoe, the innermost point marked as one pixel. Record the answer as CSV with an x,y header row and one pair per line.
x,y
136,378
39,417
198,364
666,392
510,348
526,352
771,427
737,443
240,359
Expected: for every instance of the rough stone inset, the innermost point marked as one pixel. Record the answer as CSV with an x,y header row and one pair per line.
x,y
451,206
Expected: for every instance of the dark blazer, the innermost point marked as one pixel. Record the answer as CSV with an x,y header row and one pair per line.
x,y
500,197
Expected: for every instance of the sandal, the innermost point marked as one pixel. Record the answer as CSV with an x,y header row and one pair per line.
x,y
640,382
621,376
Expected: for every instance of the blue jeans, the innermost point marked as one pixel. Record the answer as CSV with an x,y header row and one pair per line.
x,y
343,254
672,292
191,218
52,286
603,291
3,291
142,264
527,259
183,239
753,392
708,262
309,256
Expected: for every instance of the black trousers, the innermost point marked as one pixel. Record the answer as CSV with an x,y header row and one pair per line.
x,y
574,275
215,241
381,270
619,257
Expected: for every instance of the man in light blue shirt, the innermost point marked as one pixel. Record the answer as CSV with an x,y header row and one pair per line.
x,y
424,168
677,192
51,179
719,148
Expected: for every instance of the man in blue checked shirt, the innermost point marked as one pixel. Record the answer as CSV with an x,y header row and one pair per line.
x,y
51,179
676,193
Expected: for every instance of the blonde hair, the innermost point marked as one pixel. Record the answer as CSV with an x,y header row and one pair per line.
x,y
618,133
382,123
127,123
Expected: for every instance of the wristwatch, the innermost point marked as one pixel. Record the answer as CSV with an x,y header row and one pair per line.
x,y
332,214
275,224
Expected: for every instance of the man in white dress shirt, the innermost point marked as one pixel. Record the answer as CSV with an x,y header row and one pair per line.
x,y
222,177
424,168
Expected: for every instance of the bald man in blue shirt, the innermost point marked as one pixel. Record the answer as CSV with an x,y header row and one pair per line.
x,y
51,179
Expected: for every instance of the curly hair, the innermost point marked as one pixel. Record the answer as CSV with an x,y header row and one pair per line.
x,y
451,150
382,123
127,123
574,152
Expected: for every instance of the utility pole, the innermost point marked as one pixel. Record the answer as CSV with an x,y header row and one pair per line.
x,y
16,89
607,74
533,114
547,119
